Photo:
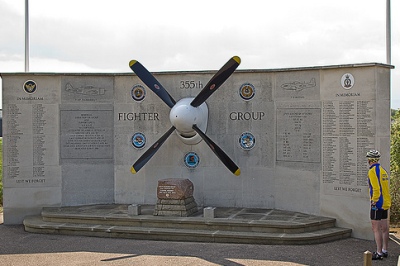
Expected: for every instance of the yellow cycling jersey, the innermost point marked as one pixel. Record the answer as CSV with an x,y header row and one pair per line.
x,y
378,180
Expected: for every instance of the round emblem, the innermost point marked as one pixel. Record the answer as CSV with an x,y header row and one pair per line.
x,y
138,92
138,140
30,86
191,160
247,91
347,81
247,141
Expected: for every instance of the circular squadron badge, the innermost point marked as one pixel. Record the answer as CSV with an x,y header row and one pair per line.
x,y
191,160
247,141
138,140
347,81
138,93
30,86
247,91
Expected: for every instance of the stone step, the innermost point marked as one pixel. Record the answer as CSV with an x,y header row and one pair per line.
x,y
229,225
299,224
35,224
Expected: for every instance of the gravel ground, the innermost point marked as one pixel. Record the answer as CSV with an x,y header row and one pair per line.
x,y
18,247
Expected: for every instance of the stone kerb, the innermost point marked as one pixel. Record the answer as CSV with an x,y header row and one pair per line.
x,y
175,198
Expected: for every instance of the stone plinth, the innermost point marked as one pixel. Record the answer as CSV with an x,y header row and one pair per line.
x,y
209,212
175,198
134,210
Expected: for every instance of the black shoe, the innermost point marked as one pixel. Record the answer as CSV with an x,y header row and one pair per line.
x,y
376,256
385,254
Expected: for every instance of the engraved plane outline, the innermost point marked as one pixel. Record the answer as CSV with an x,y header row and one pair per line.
x,y
85,90
299,86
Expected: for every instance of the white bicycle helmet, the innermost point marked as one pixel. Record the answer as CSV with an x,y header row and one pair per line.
x,y
373,154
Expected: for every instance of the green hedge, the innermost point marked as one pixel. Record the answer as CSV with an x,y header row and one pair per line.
x,y
395,168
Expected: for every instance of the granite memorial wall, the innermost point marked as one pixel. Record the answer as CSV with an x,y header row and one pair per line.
x,y
298,135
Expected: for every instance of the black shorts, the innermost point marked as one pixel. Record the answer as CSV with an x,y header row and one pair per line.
x,y
379,214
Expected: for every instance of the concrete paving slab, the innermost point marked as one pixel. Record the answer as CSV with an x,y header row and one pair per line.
x,y
18,247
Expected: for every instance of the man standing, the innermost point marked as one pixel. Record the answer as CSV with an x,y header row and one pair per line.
x,y
378,180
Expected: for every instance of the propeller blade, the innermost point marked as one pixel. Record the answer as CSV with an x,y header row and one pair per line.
x,y
150,152
216,81
219,152
151,82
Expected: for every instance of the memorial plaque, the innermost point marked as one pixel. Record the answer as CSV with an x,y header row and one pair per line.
x,y
174,188
298,137
175,198
31,145
348,128
86,134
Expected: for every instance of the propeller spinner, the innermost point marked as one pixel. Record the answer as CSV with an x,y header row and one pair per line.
x,y
183,116
188,116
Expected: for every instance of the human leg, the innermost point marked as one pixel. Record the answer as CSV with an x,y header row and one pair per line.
x,y
376,228
384,224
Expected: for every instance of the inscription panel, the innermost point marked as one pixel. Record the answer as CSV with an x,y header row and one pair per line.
x,y
30,145
298,134
348,132
86,134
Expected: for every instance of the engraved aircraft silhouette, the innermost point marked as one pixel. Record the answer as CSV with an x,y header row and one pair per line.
x,y
298,86
85,90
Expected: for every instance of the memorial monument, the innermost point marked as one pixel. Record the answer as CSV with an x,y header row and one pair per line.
x,y
175,198
298,135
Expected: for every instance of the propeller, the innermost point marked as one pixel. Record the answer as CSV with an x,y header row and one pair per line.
x,y
151,82
185,116
216,81
219,152
150,152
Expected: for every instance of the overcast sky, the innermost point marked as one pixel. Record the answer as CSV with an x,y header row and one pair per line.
x,y
167,35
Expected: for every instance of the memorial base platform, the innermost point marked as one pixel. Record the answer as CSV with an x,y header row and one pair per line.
x,y
229,225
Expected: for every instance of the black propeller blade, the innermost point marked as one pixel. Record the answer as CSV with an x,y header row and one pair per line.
x,y
219,152
150,152
216,81
151,82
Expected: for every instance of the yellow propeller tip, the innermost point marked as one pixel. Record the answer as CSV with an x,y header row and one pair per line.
x,y
132,62
133,171
237,59
237,172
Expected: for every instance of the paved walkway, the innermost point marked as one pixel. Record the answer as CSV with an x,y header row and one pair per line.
x,y
18,247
